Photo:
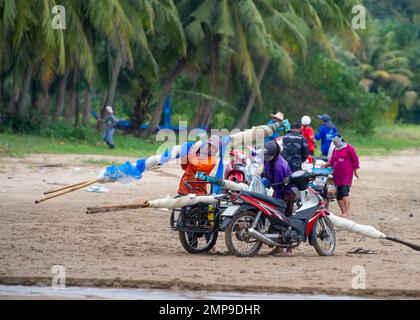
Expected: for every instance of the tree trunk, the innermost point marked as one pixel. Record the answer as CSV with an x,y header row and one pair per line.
x,y
71,108
229,72
61,96
140,111
86,107
114,80
77,110
3,108
199,114
208,114
100,124
14,98
215,69
45,103
120,60
34,97
167,86
23,99
243,122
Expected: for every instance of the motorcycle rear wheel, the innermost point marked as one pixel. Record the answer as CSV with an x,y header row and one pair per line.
x,y
323,237
235,231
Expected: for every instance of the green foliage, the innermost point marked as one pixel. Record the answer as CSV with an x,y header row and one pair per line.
x,y
19,145
386,139
35,124
339,84
130,48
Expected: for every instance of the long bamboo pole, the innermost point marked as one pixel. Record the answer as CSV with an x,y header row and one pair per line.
x,y
68,190
70,186
93,210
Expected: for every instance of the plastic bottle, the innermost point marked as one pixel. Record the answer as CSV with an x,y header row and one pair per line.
x,y
210,215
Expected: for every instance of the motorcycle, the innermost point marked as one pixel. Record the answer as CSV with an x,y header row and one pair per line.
x,y
235,170
254,219
243,166
323,184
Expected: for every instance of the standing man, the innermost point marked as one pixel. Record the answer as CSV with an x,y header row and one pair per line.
x,y
295,148
110,122
308,133
327,131
345,163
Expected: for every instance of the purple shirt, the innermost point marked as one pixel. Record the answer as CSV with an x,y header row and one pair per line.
x,y
344,162
276,173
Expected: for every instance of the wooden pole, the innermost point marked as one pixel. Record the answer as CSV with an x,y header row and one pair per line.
x,y
101,209
70,186
68,190
406,243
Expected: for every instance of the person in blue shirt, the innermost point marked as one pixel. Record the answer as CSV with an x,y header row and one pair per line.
x,y
278,117
326,132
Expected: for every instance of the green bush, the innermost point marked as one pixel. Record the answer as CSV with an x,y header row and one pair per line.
x,y
350,104
34,124
30,123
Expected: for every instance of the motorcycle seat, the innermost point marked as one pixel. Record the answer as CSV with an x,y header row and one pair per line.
x,y
279,203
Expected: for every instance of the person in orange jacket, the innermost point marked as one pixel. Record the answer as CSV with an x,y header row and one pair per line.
x,y
202,160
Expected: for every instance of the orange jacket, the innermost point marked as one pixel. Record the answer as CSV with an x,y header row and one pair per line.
x,y
191,168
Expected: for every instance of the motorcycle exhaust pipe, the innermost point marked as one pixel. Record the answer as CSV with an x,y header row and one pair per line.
x,y
259,236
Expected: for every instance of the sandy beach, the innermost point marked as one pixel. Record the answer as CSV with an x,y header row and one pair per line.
x,y
137,249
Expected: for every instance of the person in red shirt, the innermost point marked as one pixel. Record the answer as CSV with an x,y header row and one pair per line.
x,y
307,131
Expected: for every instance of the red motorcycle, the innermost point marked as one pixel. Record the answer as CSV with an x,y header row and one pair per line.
x,y
254,219
235,170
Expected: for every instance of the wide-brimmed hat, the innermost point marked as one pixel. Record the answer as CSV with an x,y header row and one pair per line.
x,y
279,116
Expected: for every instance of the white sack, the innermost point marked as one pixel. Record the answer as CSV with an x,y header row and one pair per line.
x,y
188,200
351,226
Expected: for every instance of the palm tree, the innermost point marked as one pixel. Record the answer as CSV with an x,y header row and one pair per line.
x,y
172,55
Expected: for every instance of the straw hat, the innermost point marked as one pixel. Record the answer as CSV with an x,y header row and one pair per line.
x,y
278,116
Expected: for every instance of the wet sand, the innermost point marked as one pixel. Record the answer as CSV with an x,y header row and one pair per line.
x,y
137,249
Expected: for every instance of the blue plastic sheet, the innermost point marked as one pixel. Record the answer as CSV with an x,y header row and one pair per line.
x,y
325,171
125,171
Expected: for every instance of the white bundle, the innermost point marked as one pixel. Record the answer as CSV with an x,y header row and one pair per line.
x,y
188,200
255,134
351,226
231,185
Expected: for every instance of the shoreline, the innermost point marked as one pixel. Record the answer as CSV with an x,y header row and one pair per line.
x,y
177,286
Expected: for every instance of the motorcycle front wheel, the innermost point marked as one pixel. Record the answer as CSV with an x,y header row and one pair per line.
x,y
238,242
323,237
